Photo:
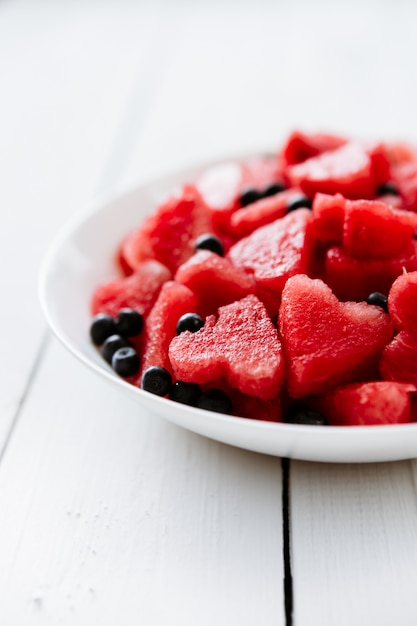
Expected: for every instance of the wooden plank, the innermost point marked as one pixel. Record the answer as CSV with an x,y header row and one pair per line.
x,y
111,515
68,71
354,543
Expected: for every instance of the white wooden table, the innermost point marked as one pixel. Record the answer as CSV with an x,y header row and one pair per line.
x,y
112,516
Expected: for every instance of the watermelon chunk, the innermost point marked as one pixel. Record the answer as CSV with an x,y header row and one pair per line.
x,y
368,404
402,302
327,342
173,301
352,170
137,291
302,146
214,280
405,177
276,251
169,234
354,279
241,346
244,221
328,218
373,229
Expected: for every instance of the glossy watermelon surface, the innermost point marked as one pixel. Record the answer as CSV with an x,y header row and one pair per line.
x,y
296,273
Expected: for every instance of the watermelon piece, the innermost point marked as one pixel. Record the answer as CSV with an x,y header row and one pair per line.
x,y
221,185
169,234
241,345
214,280
174,300
373,229
137,291
369,404
276,251
355,279
244,221
353,170
399,359
404,177
327,342
302,146
256,408
328,218
402,302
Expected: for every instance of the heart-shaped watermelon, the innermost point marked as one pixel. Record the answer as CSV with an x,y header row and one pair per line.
x,y
241,346
327,342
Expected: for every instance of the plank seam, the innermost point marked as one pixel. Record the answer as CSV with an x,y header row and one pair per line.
x,y
288,582
30,380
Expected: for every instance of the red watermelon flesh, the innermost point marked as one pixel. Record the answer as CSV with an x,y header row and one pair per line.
x,y
214,280
327,342
369,404
276,251
399,359
328,218
173,301
169,234
302,146
256,408
355,279
244,221
375,230
405,177
137,291
241,345
402,302
352,170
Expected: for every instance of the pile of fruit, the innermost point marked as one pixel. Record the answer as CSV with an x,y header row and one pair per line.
x,y
282,288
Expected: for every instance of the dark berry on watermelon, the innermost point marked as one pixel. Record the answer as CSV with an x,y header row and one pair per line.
x,y
129,323
326,342
369,404
214,281
378,299
189,321
303,414
276,251
157,380
241,346
111,345
248,196
101,327
387,189
298,201
273,189
215,400
210,242
185,393
125,362
137,291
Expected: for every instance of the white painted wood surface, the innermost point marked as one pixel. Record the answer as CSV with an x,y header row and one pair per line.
x,y
109,516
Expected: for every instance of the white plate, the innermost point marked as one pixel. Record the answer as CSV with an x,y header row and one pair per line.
x,y
82,256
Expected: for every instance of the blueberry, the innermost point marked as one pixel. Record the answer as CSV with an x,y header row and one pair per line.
x,y
101,327
215,400
273,189
298,201
302,414
157,380
125,362
189,321
186,393
209,242
109,347
129,323
248,196
378,299
388,188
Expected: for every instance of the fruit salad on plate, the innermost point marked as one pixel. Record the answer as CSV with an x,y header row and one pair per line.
x,y
280,288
